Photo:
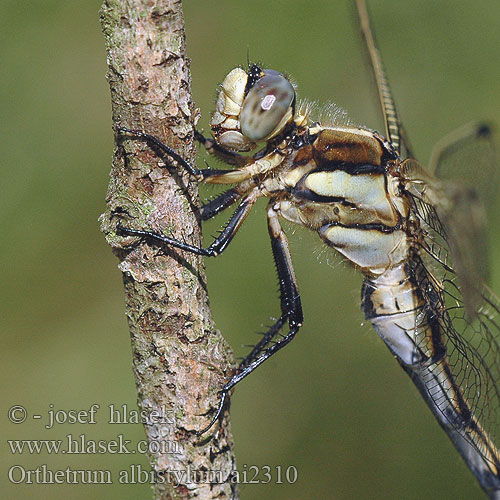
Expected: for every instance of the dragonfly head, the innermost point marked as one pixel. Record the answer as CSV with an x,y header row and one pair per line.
x,y
252,107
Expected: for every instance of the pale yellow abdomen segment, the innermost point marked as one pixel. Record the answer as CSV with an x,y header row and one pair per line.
x,y
372,250
392,304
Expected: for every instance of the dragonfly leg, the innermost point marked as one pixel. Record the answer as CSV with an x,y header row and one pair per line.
x,y
217,246
201,175
163,148
218,204
229,157
291,310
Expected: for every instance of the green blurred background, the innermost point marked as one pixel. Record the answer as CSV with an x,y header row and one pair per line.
x,y
334,404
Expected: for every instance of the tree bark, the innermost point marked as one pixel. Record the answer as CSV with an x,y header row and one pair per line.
x,y
179,360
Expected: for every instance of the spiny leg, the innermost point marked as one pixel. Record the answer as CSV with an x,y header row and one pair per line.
x,y
213,207
263,343
248,170
201,175
291,310
218,245
215,149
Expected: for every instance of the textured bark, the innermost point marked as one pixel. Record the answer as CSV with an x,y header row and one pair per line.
x,y
179,360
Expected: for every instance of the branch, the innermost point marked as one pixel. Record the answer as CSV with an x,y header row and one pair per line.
x,y
179,360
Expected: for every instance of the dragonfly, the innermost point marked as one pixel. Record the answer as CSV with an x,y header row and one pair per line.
x,y
413,235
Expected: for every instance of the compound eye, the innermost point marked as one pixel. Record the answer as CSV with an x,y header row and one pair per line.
x,y
267,107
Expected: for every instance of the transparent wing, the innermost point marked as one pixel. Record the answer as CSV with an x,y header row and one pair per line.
x,y
453,217
386,100
449,276
466,163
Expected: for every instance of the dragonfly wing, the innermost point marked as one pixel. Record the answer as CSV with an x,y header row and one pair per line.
x,y
454,222
464,386
466,162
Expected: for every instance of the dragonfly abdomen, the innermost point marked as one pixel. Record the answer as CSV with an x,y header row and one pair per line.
x,y
391,302
394,304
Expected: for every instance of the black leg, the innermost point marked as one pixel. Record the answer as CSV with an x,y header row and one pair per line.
x,y
200,174
229,157
164,148
291,310
289,293
219,244
217,205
